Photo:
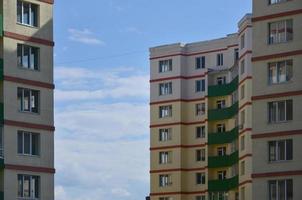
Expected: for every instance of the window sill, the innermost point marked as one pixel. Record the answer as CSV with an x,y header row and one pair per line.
x,y
27,25
29,69
283,83
280,161
277,43
29,156
281,122
27,112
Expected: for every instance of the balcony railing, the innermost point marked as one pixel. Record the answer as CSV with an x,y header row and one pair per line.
x,y
223,161
223,185
223,90
224,113
223,138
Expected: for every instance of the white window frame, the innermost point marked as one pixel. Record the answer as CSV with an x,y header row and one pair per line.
x,y
200,85
221,151
165,111
165,180
165,89
165,66
200,132
31,22
30,143
202,177
165,157
274,150
202,62
31,61
274,117
278,37
274,69
165,134
276,188
220,59
31,101
220,128
221,104
32,192
200,109
272,2
221,80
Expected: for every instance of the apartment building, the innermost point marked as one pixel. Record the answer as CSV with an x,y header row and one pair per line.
x,y
26,96
225,122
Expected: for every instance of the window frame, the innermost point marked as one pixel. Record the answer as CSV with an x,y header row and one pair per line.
x,y
32,195
30,61
165,134
287,37
200,132
21,103
31,134
200,62
32,24
274,151
165,114
274,68
275,105
165,89
162,68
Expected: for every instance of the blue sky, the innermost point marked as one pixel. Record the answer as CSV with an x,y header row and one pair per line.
x,y
102,86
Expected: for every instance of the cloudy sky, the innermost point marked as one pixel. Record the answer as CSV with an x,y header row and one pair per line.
x,y
102,86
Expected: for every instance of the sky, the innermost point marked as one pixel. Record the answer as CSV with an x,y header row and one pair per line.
x,y
102,86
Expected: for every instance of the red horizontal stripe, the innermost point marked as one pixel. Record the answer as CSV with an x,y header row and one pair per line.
x,y
178,77
277,134
177,100
29,125
28,39
274,174
277,15
279,55
245,130
244,105
245,182
178,123
245,156
178,169
246,27
193,54
29,82
246,78
30,168
277,95
178,146
47,1
245,53
178,193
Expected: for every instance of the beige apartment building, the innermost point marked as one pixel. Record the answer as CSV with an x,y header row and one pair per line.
x,y
225,114
26,96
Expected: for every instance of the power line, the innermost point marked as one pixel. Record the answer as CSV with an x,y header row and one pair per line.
x,y
100,58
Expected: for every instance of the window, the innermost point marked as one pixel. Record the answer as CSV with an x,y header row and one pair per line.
x,y
28,57
200,155
242,191
200,109
242,41
220,59
221,151
28,100
165,180
242,118
27,13
280,189
200,197
281,150
280,111
164,157
200,85
242,168
220,128
276,1
236,55
242,142
280,31
200,132
220,104
200,62
280,72
200,178
242,92
221,80
165,88
165,111
221,175
28,186
165,66
28,143
242,67
165,134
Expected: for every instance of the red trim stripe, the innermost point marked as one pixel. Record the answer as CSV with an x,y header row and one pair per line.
x,y
28,39
178,146
196,53
245,156
246,78
244,105
178,169
246,27
274,174
245,53
30,168
279,55
178,123
277,95
29,82
245,182
47,1
29,125
277,134
283,14
178,193
179,77
245,130
178,100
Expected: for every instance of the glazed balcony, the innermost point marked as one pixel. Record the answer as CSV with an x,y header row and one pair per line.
x,y
224,113
223,90
223,185
223,161
223,138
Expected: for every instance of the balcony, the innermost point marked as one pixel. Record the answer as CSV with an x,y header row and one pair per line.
x,y
223,161
223,138
223,185
223,90
224,113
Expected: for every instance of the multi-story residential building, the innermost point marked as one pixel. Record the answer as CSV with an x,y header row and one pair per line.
x,y
225,116
26,94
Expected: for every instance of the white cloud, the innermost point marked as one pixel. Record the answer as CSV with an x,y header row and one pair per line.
x,y
84,36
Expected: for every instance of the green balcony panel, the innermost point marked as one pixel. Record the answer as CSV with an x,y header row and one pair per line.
x,y
1,25
223,138
225,113
223,185
1,69
223,161
1,163
1,195
223,90
1,113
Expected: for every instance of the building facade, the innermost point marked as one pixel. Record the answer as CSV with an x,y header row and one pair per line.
x,y
27,105
224,114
